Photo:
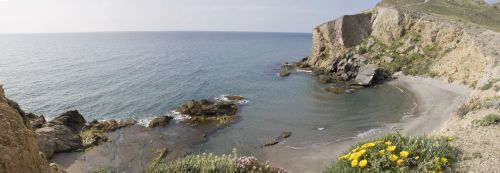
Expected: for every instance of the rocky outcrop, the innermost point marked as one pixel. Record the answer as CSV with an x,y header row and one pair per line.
x,y
160,121
110,125
397,38
205,108
62,134
18,146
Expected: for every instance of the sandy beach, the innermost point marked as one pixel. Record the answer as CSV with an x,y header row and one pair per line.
x,y
435,102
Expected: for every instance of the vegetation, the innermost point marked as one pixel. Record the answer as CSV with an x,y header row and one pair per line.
x,y
210,163
92,137
490,85
465,108
395,153
16,106
490,119
466,11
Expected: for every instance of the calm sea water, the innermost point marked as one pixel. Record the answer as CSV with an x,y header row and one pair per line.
x,y
143,74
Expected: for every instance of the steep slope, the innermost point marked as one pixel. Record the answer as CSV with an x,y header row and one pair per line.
x,y
18,146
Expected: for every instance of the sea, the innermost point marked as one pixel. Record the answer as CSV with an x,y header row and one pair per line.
x,y
117,75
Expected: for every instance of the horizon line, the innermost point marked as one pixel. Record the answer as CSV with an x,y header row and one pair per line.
x,y
83,32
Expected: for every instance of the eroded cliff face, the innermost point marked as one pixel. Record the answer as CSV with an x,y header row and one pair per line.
x,y
18,146
398,39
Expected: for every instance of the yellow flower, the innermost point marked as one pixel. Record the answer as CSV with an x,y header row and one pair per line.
x,y
388,143
391,148
381,151
354,163
404,154
363,163
400,162
444,160
436,159
418,157
393,157
371,144
344,157
360,153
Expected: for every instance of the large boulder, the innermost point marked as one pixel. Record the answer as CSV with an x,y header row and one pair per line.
x,y
71,119
207,108
57,138
366,74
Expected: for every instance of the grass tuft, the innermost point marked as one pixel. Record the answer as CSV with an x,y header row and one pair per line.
x,y
488,120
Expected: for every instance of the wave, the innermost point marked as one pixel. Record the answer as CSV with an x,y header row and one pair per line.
x,y
305,71
376,131
223,98
175,115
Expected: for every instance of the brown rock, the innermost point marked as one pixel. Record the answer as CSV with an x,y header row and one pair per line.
x,y
284,74
160,121
207,108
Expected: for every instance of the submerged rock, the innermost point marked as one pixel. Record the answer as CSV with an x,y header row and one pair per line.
x,y
284,74
205,108
335,89
160,121
278,139
234,97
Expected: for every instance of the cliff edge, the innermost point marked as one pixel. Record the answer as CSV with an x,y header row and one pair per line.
x,y
18,144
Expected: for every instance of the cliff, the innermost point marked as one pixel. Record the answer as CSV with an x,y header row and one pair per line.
x,y
18,144
417,37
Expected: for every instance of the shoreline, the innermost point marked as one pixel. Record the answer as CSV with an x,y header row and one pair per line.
x,y
436,101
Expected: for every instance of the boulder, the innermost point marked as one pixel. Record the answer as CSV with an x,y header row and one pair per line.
x,y
325,78
207,108
160,121
283,74
71,119
366,74
278,139
36,121
57,138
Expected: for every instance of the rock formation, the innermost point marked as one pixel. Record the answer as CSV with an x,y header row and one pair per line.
x,y
394,37
205,108
62,134
18,146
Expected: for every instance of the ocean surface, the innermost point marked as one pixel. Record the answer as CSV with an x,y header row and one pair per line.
x,y
146,74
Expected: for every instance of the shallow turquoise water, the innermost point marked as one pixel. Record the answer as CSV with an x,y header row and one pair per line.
x,y
143,74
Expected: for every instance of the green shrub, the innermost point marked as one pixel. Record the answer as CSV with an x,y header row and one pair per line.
x,y
490,119
16,106
395,153
210,163
489,84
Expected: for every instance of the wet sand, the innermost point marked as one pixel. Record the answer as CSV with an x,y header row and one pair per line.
x,y
435,102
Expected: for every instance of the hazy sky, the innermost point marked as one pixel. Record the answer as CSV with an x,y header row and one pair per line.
x,y
35,16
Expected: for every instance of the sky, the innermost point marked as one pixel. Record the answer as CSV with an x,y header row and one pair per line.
x,y
49,16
